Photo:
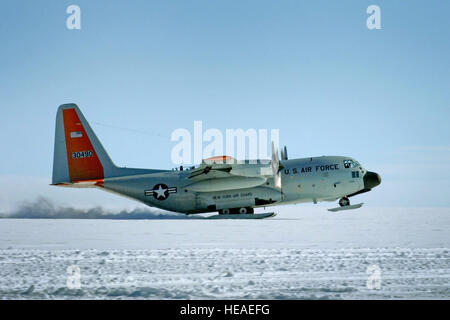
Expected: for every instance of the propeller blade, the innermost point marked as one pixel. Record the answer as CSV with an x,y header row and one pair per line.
x,y
275,160
284,154
276,167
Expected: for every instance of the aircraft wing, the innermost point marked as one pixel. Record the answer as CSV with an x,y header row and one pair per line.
x,y
210,177
225,173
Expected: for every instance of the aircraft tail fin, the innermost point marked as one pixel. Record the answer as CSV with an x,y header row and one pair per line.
x,y
78,154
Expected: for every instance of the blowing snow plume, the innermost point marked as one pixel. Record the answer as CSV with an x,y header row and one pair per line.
x,y
43,208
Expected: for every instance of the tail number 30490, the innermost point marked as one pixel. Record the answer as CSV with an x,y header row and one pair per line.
x,y
82,154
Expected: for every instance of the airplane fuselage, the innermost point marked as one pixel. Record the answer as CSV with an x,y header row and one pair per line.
x,y
304,180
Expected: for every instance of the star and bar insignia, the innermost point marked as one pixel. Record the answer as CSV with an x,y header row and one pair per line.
x,y
160,191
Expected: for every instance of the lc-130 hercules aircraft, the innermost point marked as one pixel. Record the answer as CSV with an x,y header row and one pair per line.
x,y
231,187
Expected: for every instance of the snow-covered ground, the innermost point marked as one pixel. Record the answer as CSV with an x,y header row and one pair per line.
x,y
303,253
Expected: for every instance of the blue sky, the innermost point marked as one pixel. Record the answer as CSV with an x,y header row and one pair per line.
x,y
310,68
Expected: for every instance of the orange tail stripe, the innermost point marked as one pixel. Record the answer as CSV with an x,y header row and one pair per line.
x,y
83,161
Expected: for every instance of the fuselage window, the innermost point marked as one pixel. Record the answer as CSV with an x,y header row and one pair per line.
x,y
347,163
350,164
355,164
355,174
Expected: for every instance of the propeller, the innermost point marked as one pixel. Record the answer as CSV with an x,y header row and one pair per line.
x,y
276,167
284,154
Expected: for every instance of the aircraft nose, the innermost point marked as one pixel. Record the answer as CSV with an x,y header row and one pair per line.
x,y
371,180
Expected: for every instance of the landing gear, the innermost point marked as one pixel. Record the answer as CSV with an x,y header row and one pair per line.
x,y
244,210
343,202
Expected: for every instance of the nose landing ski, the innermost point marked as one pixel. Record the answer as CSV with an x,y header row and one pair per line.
x,y
354,206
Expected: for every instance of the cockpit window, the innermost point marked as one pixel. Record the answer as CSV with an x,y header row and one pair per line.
x,y
350,164
347,163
